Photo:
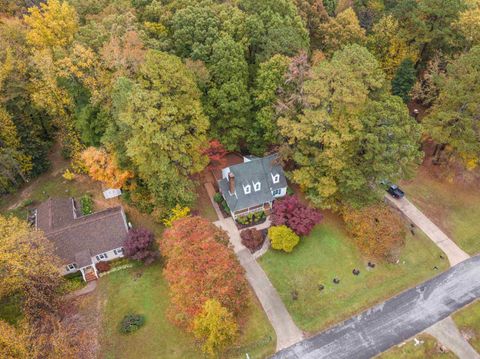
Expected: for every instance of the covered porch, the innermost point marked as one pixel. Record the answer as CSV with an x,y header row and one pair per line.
x,y
266,207
89,273
86,265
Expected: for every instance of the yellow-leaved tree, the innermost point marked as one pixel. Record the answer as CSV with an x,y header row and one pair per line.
x,y
176,213
52,24
388,47
102,166
12,342
14,163
215,326
52,27
469,24
25,255
342,30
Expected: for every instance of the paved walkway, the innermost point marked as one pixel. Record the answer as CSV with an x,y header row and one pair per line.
x,y
454,253
448,334
396,320
90,287
286,330
211,192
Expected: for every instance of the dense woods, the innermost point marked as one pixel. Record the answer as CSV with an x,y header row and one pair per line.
x,y
29,269
135,90
144,95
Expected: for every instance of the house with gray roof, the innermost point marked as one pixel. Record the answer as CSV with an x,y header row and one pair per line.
x,y
253,185
81,241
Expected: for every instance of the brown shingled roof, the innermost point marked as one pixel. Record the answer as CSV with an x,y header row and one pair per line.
x,y
55,213
74,235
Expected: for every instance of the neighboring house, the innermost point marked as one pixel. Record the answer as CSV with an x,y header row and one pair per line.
x,y
82,241
253,185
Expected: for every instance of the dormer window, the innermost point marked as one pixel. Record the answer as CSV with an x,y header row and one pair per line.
x,y
247,189
256,186
71,267
275,178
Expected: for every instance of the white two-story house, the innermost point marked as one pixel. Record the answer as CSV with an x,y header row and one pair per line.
x,y
253,185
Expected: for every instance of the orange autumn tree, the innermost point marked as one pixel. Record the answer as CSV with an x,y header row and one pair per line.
x,y
200,266
377,231
102,166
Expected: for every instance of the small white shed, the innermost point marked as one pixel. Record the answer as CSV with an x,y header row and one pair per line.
x,y
112,193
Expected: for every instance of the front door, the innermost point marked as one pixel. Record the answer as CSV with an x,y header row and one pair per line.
x,y
267,208
89,273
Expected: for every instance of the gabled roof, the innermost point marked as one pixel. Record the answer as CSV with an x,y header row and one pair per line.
x,y
255,170
56,213
83,258
77,237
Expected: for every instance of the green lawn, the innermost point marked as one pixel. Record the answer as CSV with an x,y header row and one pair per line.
x,y
329,253
453,207
427,350
203,205
45,186
122,292
468,321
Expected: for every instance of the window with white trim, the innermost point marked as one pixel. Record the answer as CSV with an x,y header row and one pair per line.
x,y
118,251
276,192
275,178
247,189
256,186
71,267
101,256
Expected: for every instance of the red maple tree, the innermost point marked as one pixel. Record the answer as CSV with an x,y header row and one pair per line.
x,y
295,215
216,153
139,245
200,266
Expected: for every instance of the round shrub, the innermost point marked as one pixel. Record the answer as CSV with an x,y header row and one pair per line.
x,y
103,266
252,239
283,238
131,323
218,197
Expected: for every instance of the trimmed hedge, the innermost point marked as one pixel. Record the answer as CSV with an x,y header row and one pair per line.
x,y
73,275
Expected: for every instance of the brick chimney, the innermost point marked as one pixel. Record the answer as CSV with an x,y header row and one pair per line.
x,y
231,182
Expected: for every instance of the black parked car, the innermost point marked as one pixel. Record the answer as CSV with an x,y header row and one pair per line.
x,y
395,191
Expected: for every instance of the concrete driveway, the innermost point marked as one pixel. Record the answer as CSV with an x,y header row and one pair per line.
x,y
286,330
448,334
395,320
454,253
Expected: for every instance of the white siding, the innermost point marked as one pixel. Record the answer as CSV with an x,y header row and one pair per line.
x,y
110,256
283,192
63,270
225,172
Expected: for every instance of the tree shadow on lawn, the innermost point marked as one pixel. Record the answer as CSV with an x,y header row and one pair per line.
x,y
327,253
125,292
454,207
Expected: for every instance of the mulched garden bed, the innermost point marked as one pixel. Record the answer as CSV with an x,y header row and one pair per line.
x,y
241,226
225,214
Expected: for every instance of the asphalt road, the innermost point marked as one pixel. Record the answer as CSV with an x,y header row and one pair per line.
x,y
395,320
